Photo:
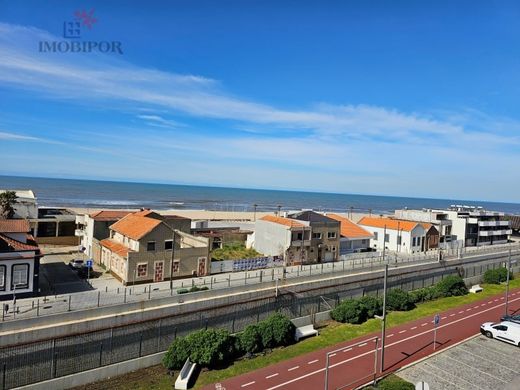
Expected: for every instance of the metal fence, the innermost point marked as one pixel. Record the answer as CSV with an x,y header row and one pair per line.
x,y
29,363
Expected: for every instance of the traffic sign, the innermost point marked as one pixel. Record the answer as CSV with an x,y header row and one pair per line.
x,y
436,319
89,263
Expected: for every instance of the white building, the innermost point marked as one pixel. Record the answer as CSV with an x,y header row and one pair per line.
x,y
19,259
353,238
438,218
26,206
401,236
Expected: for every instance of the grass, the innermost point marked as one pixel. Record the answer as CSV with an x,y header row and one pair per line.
x,y
332,334
234,251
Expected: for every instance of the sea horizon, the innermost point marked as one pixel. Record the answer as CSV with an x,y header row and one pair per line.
x,y
88,193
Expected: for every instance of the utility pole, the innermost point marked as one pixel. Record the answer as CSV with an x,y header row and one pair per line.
x,y
507,281
383,323
171,259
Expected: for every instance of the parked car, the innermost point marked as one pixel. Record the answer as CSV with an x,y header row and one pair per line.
x,y
76,264
513,318
505,331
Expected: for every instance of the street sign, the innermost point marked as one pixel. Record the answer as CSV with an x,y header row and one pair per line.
x,y
422,386
89,263
436,319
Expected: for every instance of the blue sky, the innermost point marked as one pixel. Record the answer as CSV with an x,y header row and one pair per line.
x,y
386,98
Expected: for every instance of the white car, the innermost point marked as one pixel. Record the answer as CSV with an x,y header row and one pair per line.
x,y
505,331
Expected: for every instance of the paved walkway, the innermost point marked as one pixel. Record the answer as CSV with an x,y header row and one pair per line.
x,y
351,363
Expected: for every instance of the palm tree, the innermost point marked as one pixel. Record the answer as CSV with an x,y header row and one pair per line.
x,y
7,201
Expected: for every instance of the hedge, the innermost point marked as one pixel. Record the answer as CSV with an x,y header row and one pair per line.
x,y
399,300
351,311
496,276
451,285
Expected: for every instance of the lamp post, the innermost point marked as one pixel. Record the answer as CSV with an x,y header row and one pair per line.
x,y
509,262
279,209
171,259
383,316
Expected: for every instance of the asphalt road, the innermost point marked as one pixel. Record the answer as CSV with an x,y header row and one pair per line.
x,y
353,364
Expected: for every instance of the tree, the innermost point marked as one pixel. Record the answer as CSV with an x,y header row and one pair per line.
x,y
351,311
211,347
451,285
251,339
283,329
7,201
399,300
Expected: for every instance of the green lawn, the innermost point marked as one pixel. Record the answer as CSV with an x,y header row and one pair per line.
x,y
335,333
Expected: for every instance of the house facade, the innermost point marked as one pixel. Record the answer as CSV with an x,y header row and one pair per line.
x,y
353,238
400,235
142,245
438,218
26,206
19,260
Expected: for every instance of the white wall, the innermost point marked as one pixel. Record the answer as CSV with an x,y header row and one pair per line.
x,y
9,264
406,239
271,239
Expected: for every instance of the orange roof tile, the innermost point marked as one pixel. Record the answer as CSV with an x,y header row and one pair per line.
x,y
282,221
116,247
14,226
109,215
18,245
349,229
135,225
392,224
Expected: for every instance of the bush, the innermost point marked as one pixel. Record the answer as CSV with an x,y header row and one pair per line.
x,y
251,339
451,285
399,300
282,328
211,347
424,294
496,276
351,311
182,291
177,354
373,305
267,334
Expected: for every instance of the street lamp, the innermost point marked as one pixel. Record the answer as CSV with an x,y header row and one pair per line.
x,y
509,262
171,259
383,316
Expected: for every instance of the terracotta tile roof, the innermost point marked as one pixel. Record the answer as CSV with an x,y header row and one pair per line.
x,y
18,245
116,247
349,229
282,221
136,225
391,224
14,226
109,215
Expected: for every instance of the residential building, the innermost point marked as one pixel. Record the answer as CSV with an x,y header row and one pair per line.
x,y
19,259
26,206
92,228
438,218
400,235
475,226
325,238
54,226
353,238
284,237
141,246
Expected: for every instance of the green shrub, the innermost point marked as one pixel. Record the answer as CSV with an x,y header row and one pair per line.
x,y
351,311
451,285
251,339
282,327
211,347
399,300
373,305
177,354
267,334
182,291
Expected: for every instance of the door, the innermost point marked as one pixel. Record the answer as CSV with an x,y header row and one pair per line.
x,y
158,271
201,266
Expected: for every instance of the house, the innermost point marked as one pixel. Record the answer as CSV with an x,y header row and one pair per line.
x,y
438,218
474,226
92,228
54,226
353,238
284,237
325,235
400,235
19,259
142,245
26,206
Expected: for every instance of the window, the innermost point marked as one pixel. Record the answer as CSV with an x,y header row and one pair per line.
x,y
299,236
387,237
333,249
316,236
363,242
150,246
331,234
413,241
175,267
142,270
2,277
375,235
20,276
398,240
168,245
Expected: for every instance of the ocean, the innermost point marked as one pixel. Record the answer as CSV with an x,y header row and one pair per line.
x,y
109,194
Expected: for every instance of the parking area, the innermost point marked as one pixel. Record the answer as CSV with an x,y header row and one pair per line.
x,y
479,363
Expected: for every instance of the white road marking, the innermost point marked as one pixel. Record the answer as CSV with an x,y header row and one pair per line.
x,y
443,318
388,346
313,361
414,327
390,335
462,311
476,307
424,324
362,345
490,302
248,384
293,368
271,376
483,305
468,309
332,354
349,349
451,315
402,331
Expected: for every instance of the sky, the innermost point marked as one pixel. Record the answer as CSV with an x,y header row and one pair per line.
x,y
402,98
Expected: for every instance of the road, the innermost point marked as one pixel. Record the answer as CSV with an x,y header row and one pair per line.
x,y
353,363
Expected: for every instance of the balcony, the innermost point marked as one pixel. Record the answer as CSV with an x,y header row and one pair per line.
x,y
298,243
489,233
493,223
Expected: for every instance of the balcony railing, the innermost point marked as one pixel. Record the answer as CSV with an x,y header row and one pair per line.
x,y
493,223
488,233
